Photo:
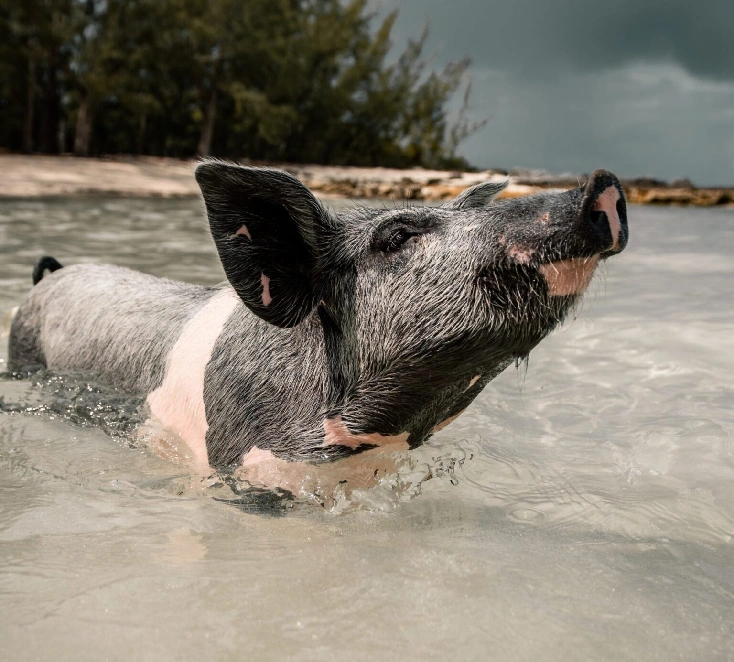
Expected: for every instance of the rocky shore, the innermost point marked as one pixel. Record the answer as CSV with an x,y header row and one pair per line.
x,y
65,176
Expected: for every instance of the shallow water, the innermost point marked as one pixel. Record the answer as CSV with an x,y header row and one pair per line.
x,y
581,510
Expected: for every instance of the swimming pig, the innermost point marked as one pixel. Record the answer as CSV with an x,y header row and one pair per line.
x,y
335,334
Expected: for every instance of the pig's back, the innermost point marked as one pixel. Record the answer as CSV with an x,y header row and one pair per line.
x,y
119,324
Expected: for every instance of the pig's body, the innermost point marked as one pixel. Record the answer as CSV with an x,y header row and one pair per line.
x,y
108,320
155,337
333,337
187,349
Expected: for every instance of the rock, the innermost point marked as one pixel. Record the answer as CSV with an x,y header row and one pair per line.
x,y
39,176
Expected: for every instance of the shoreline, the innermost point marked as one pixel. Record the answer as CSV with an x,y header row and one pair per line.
x,y
162,177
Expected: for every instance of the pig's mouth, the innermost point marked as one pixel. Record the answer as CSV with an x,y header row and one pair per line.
x,y
597,230
569,277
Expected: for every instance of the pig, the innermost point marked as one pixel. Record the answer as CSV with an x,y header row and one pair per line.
x,y
335,334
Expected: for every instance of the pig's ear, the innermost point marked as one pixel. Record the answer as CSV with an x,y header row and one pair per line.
x,y
268,228
477,196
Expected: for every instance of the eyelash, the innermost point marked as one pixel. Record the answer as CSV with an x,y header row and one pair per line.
x,y
397,240
392,239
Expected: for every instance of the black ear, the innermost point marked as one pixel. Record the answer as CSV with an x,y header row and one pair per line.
x,y
268,229
477,196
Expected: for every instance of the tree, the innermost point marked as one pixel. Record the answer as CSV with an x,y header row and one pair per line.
x,y
34,35
283,80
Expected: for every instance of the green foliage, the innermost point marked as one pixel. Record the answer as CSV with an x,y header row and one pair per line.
x,y
278,80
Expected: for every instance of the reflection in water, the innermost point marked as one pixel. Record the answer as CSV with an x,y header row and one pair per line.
x,y
181,547
582,509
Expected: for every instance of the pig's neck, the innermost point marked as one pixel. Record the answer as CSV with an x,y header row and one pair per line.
x,y
401,404
299,393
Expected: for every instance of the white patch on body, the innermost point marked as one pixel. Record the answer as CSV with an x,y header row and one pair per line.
x,y
178,403
473,381
570,276
336,433
607,202
267,299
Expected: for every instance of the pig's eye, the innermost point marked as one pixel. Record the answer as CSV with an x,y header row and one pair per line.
x,y
392,239
396,241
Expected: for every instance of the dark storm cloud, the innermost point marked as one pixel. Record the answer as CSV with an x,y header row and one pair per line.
x,y
642,87
535,35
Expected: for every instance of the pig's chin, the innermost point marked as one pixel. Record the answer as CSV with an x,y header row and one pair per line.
x,y
569,277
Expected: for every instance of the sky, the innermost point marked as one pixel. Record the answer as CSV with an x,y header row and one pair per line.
x,y
640,87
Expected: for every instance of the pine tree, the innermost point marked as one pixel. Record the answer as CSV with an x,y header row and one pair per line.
x,y
280,80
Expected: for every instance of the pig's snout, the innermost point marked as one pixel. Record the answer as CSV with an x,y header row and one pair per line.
x,y
596,228
604,212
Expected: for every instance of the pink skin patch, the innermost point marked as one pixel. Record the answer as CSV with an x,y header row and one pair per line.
x,y
267,299
178,403
521,254
303,479
336,433
243,232
569,276
607,202
451,419
448,421
256,456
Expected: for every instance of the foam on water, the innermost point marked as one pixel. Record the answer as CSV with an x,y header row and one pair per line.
x,y
581,510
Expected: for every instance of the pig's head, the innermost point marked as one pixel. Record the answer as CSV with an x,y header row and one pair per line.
x,y
420,306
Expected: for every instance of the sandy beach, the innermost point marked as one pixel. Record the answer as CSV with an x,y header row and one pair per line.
x,y
68,176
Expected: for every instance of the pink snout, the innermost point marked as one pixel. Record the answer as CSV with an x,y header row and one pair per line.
x,y
604,212
607,203
600,228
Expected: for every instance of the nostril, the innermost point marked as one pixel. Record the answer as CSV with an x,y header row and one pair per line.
x,y
621,208
604,209
599,221
606,206
598,218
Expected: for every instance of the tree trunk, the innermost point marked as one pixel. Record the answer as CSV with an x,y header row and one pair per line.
x,y
210,113
207,128
83,127
49,130
29,106
62,136
140,142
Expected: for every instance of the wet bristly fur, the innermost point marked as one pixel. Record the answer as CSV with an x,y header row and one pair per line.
x,y
389,320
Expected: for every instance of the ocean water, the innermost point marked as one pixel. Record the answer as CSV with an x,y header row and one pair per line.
x,y
582,508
